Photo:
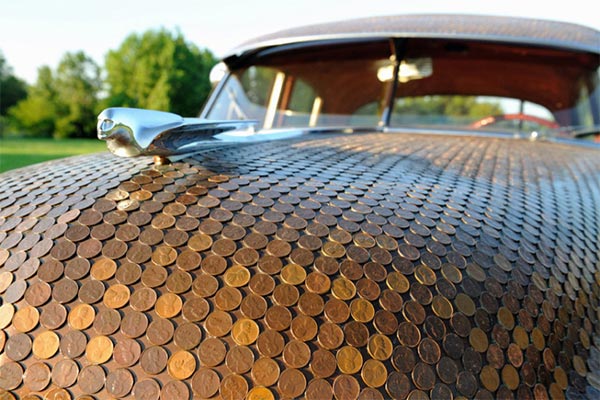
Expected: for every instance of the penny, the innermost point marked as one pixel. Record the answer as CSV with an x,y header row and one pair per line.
x,y
330,336
319,389
343,289
77,268
510,377
260,393
181,365
50,271
81,316
211,352
380,347
239,359
188,260
391,301
349,360
368,289
128,273
52,317
205,285
397,282
160,331
179,282
91,379
346,387
303,328
175,390
356,334
91,291
116,296
362,310
147,389
143,299
374,373
25,319
429,351
205,383
127,352
168,305
489,378
214,265
292,383
286,295
296,354
73,344
265,372
63,249
64,373
478,340
45,345
233,387
466,383
423,376
154,360
408,334
228,298
92,247
465,304
11,375
99,350
134,324
103,269
141,252
270,343
219,323
119,382
18,346
244,331
515,355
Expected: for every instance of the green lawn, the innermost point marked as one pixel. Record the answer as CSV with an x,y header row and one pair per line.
x,y
16,153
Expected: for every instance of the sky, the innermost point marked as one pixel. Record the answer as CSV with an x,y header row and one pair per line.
x,y
38,32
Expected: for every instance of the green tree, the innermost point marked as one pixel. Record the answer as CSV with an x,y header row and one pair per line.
x,y
443,107
12,89
159,70
62,103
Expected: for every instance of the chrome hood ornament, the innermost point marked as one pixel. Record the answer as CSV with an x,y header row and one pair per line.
x,y
131,132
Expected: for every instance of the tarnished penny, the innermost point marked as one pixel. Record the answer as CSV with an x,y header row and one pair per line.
x,y
211,352
265,371
239,359
73,344
154,360
91,379
64,373
292,383
119,382
205,383
346,387
127,352
233,387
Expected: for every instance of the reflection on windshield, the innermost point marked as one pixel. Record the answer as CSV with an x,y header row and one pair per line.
x,y
438,84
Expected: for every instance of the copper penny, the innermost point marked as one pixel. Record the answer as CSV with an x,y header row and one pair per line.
x,y
147,389
64,290
99,349
330,336
181,365
143,299
336,311
64,373
356,334
176,390
91,379
168,305
128,273
154,360
116,296
214,265
77,268
107,321
73,344
219,323
239,359
81,316
160,331
45,345
423,376
164,256
212,352
319,389
403,359
265,372
346,387
205,285
296,354
303,328
233,387
391,301
429,351
374,373
18,346
119,382
205,383
134,324
11,375
292,383
349,360
25,319
127,352
278,318
91,291
270,343
187,336
408,334
103,269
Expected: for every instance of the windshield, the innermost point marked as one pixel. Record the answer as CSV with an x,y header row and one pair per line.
x,y
440,84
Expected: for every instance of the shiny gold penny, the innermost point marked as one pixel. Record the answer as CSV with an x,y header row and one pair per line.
x,y
425,275
362,310
168,305
81,316
181,365
489,378
380,347
510,377
478,340
397,282
103,269
260,393
374,373
349,360
45,345
26,319
116,296
7,311
99,350
442,307
343,289
236,276
293,274
245,331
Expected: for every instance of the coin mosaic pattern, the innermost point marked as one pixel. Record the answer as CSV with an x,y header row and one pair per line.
x,y
364,266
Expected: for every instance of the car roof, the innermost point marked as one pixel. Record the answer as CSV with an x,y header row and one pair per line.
x,y
448,26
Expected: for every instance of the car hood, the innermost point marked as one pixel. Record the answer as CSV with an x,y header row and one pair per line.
x,y
327,264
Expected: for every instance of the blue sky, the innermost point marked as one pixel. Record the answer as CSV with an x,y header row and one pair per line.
x,y
38,32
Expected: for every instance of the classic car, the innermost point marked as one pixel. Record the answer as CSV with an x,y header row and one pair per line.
x,y
398,207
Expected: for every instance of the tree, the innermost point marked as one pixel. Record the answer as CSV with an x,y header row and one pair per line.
x,y
159,70
12,89
63,103
443,107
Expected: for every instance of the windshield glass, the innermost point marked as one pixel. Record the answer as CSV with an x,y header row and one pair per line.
x,y
439,84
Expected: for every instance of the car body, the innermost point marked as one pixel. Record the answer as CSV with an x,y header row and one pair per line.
x,y
395,207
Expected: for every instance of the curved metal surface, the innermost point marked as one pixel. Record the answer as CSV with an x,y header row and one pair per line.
x,y
484,27
371,266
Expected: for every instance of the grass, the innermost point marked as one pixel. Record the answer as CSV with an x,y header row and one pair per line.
x,y
17,153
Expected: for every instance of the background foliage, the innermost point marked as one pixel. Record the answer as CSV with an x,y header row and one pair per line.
x,y
157,69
